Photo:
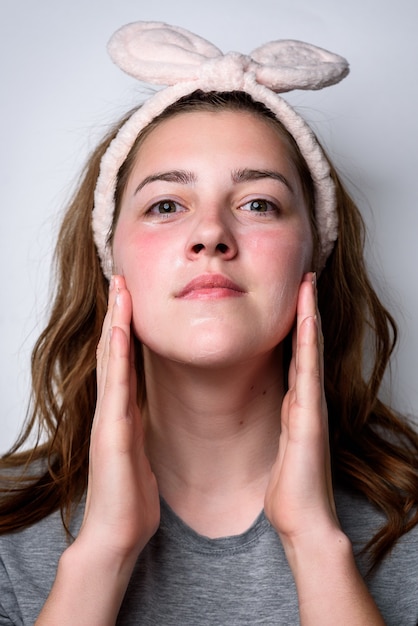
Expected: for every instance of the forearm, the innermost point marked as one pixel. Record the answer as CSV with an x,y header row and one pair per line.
x,y
88,589
330,588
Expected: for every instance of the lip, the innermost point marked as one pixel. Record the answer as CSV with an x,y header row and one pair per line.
x,y
210,286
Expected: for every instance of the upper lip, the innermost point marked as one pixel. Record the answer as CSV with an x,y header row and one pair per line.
x,y
209,281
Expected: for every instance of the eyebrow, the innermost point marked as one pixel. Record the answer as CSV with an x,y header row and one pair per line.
x,y
185,177
247,174
173,176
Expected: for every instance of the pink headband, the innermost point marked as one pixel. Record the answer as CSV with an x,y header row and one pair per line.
x,y
160,54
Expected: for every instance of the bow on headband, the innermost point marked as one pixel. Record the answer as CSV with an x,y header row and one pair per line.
x,y
157,53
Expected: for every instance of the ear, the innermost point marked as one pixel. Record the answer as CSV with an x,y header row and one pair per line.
x,y
287,64
160,54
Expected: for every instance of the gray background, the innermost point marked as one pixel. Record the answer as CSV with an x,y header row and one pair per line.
x,y
59,90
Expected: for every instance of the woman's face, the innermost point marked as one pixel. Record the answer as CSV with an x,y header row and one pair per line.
x,y
213,238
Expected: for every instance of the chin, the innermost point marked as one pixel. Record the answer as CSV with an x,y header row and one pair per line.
x,y
215,355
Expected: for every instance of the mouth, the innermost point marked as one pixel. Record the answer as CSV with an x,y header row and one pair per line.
x,y
210,286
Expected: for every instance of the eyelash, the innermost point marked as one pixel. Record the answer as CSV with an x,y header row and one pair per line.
x,y
270,206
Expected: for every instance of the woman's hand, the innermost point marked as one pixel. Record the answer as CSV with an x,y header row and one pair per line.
x,y
299,494
299,500
122,504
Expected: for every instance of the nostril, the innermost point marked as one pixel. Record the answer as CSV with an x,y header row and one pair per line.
x,y
220,247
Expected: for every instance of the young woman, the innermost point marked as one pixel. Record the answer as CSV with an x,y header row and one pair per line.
x,y
210,451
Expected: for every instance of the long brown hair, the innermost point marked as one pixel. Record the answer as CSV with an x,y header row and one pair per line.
x,y
374,451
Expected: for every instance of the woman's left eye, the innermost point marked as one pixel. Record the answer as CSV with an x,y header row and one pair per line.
x,y
258,206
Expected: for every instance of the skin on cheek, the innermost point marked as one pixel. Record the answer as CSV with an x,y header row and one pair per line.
x,y
130,251
140,257
282,299
295,261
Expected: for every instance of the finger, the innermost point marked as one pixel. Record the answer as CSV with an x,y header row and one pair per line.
x,y
306,305
308,385
119,367
121,313
312,423
118,315
133,375
291,378
102,353
309,367
112,405
112,427
115,403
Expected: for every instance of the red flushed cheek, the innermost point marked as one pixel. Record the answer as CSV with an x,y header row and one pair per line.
x,y
278,250
131,250
144,257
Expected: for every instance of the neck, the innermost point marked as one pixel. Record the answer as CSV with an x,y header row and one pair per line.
x,y
212,437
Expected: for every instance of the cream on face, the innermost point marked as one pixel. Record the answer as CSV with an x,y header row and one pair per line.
x,y
213,238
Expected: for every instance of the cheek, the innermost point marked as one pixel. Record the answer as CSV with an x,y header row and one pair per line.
x,y
283,262
136,255
147,261
284,254
136,258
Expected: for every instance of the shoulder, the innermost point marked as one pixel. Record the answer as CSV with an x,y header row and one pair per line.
x,y
28,563
361,520
42,538
394,582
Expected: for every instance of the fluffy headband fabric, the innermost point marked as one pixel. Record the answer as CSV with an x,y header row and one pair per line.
x,y
160,54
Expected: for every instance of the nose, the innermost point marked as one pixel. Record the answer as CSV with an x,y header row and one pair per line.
x,y
212,236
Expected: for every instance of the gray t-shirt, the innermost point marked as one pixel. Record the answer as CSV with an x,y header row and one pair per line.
x,y
183,578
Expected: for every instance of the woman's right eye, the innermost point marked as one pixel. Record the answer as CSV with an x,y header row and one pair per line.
x,y
165,207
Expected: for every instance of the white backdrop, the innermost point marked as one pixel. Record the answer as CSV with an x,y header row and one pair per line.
x,y
59,90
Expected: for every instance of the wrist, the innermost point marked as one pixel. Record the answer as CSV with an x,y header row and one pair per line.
x,y
98,561
329,586
89,587
318,550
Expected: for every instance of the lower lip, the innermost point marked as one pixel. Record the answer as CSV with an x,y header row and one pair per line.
x,y
212,293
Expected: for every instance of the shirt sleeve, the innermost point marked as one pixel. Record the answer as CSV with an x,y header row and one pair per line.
x,y
9,609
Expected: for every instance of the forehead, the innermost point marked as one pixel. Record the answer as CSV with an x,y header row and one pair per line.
x,y
245,132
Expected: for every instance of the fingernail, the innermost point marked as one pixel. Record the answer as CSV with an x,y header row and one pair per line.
x,y
314,279
118,282
112,282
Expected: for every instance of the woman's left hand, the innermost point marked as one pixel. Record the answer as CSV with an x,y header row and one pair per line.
x,y
299,501
299,495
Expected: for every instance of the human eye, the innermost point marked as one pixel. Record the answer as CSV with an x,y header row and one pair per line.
x,y
259,205
165,207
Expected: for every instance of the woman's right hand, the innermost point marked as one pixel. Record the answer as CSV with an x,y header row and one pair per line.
x,y
122,504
